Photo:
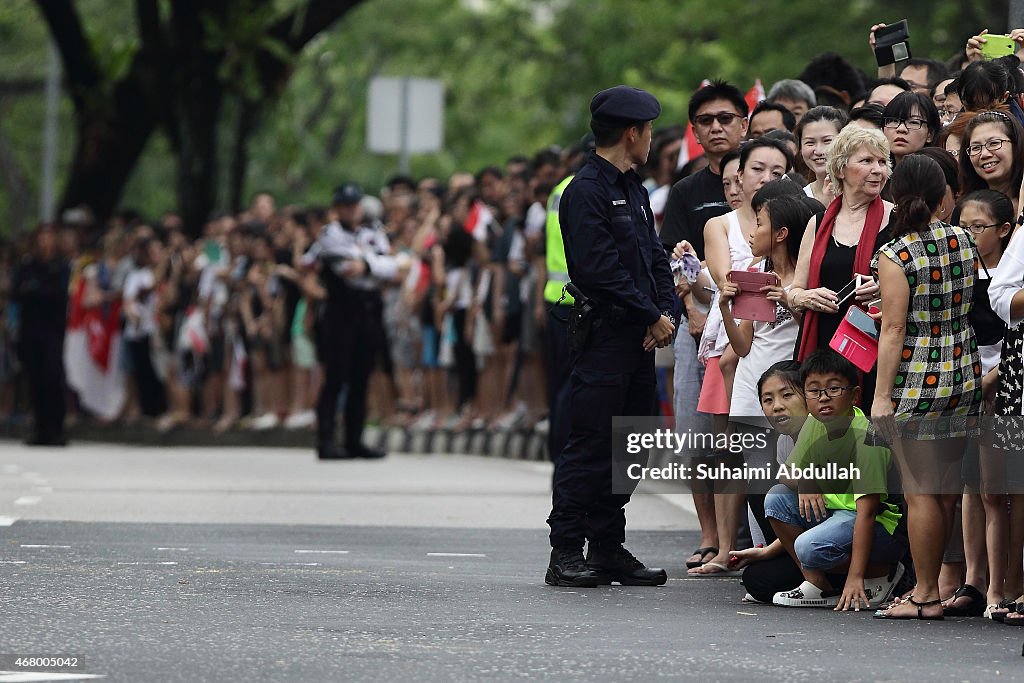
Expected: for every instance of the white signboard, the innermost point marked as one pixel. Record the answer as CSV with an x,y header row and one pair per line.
x,y
405,115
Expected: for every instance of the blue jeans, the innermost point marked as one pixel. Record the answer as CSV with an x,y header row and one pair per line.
x,y
828,544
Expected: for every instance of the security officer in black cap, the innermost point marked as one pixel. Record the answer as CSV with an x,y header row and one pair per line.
x,y
355,261
618,265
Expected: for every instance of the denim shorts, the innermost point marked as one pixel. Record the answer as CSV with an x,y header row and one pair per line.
x,y
829,543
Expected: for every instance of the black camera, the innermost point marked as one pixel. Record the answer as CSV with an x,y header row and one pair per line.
x,y
892,43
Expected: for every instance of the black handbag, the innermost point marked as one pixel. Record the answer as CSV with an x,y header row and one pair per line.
x,y
989,328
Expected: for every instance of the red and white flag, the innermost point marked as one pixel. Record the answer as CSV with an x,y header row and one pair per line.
x,y
92,347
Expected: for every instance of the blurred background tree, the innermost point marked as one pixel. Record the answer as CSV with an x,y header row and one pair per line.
x,y
239,100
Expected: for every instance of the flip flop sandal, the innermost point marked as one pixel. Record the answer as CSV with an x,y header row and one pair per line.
x,y
975,608
720,571
884,614
690,564
1015,618
998,614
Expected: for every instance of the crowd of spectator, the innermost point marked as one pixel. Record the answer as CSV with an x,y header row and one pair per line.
x,y
893,197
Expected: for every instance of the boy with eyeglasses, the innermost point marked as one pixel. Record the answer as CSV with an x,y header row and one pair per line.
x,y
836,527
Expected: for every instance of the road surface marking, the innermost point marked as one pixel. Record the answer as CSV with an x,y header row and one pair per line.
x,y
12,561
148,563
30,677
290,564
324,552
44,546
456,555
7,521
28,500
181,549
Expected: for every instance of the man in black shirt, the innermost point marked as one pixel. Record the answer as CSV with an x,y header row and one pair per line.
x,y
40,289
718,113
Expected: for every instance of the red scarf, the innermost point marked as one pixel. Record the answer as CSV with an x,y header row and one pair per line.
x,y
861,261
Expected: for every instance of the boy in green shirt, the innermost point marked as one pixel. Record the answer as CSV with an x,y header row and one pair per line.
x,y
830,512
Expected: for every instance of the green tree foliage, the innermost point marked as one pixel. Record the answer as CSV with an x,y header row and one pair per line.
x,y
519,74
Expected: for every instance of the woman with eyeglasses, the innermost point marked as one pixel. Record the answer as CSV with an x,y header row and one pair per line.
x,y
992,154
993,522
911,123
929,387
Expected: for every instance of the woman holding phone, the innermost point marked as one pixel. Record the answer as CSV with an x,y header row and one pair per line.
x,y
838,245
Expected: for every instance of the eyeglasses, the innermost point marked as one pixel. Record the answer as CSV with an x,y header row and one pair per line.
x,y
978,229
992,145
831,392
910,124
724,118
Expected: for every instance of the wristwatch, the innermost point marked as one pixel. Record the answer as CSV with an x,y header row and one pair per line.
x,y
671,318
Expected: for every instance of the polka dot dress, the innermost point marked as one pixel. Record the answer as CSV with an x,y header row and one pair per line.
x,y
940,371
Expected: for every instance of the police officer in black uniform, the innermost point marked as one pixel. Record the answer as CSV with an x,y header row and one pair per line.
x,y
617,263
40,290
355,260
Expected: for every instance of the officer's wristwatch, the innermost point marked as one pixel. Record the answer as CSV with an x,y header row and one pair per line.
x,y
671,318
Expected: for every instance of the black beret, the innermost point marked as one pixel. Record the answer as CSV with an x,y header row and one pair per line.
x,y
349,193
623,104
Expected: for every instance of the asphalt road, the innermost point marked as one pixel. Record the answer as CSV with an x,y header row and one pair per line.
x,y
225,565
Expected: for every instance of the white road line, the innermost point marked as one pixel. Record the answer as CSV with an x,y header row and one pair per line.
x,y
29,545
323,552
12,561
456,555
290,564
181,549
135,564
27,677
7,521
28,500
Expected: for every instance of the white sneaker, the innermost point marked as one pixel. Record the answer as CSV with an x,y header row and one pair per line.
x,y
879,589
263,422
806,595
300,420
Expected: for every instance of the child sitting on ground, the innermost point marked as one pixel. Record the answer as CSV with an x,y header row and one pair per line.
x,y
838,522
768,570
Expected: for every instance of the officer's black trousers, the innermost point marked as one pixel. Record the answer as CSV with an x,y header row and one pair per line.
x,y
556,346
583,503
42,357
347,354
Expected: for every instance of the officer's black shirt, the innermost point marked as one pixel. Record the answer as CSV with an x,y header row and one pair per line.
x,y
612,249
41,290
692,202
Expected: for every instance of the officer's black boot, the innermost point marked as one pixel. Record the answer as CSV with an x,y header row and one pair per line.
x,y
326,450
615,563
567,568
364,451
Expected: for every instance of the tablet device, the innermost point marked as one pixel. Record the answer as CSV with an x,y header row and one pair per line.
x,y
750,303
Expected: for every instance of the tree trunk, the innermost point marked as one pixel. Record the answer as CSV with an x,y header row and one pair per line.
x,y
248,120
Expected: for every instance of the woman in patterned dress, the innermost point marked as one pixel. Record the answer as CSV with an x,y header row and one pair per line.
x,y
929,374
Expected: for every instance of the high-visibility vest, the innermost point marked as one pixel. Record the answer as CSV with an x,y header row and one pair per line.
x,y
558,271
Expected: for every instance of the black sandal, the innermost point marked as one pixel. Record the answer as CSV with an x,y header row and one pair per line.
x,y
690,564
1018,616
880,614
975,608
1008,604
